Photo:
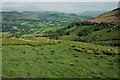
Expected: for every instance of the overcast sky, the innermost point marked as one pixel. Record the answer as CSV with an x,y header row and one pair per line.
x,y
67,7
59,0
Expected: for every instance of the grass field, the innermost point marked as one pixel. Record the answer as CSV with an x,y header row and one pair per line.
x,y
59,60
42,31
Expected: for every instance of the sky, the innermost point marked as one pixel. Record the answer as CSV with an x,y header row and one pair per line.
x,y
59,0
66,7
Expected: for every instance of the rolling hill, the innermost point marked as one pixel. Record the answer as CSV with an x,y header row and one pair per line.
x,y
12,15
27,22
103,32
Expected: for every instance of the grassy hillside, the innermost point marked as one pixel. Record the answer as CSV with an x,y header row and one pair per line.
x,y
60,60
102,32
89,32
114,12
79,46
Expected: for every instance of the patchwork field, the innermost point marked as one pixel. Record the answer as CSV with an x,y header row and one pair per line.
x,y
59,60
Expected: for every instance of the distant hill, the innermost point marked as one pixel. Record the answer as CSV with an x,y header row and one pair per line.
x,y
92,13
28,22
37,15
111,16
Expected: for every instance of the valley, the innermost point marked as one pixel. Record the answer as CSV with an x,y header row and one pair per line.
x,y
59,45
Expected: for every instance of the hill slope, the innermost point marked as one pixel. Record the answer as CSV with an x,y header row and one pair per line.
x,y
112,16
99,32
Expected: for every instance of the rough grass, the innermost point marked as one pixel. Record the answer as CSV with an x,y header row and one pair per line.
x,y
56,61
26,41
113,43
78,46
65,59
93,49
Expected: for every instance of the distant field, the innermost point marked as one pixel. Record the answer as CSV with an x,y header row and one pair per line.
x,y
40,32
64,59
5,34
53,28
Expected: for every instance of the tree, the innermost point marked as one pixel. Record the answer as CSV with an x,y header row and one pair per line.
x,y
68,33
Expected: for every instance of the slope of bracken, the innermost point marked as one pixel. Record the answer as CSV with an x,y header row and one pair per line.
x,y
112,16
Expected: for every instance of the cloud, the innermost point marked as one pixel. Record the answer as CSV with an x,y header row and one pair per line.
x,y
67,7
